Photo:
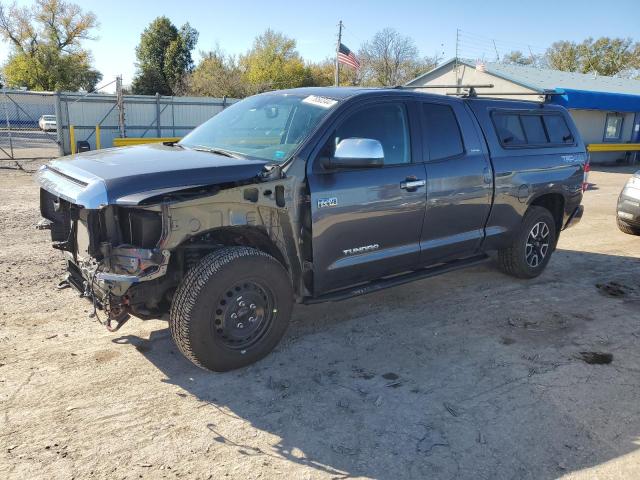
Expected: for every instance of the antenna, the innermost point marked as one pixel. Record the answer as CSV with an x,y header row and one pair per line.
x,y
533,58
457,50
337,77
120,105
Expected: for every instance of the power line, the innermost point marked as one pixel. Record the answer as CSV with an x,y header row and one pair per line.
x,y
476,36
491,46
474,46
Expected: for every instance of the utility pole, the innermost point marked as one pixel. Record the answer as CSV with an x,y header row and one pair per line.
x,y
337,77
496,49
6,113
457,53
533,58
120,105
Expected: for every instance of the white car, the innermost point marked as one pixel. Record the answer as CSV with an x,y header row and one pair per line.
x,y
48,123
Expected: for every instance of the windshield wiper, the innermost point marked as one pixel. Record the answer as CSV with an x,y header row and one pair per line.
x,y
217,151
172,143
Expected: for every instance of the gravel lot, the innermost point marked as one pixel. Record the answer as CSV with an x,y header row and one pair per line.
x,y
468,375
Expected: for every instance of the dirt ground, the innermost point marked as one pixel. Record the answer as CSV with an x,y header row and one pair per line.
x,y
468,375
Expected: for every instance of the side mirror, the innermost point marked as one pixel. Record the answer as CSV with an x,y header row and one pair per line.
x,y
357,153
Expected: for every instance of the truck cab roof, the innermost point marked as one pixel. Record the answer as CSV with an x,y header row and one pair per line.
x,y
344,93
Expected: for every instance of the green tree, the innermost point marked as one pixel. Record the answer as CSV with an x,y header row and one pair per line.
x,y
565,56
46,51
164,58
217,75
604,56
516,57
322,74
608,56
273,62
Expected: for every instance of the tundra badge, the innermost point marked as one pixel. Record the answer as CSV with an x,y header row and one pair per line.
x,y
356,250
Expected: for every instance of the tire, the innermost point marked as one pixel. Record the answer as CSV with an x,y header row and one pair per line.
x,y
626,228
518,259
240,281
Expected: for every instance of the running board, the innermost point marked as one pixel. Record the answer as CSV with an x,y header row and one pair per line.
x,y
378,285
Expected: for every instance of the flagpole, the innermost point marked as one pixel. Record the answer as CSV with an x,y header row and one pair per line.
x,y
337,69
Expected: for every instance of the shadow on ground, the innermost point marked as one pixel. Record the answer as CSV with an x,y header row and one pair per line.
x,y
469,375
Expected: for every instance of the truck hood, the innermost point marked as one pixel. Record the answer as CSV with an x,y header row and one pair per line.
x,y
125,175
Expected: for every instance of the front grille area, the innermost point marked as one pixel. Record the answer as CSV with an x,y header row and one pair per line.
x,y
58,211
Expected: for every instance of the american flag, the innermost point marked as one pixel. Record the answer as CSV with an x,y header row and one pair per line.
x,y
347,57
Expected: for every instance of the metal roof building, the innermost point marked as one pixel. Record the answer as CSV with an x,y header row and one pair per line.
x,y
606,109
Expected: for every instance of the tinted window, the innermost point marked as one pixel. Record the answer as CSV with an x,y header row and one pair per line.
x,y
442,133
509,129
557,129
533,129
386,123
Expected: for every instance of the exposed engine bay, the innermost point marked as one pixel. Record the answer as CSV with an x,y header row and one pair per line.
x,y
129,257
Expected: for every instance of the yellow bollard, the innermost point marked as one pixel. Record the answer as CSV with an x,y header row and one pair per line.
x,y
97,137
72,139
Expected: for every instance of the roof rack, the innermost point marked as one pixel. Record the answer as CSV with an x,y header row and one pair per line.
x,y
485,85
469,86
471,89
472,93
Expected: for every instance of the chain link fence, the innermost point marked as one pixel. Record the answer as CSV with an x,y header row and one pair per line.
x,y
27,125
143,116
39,125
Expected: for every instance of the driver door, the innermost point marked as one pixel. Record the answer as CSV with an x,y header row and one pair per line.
x,y
367,221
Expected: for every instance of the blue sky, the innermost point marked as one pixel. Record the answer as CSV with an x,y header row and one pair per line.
x,y
432,24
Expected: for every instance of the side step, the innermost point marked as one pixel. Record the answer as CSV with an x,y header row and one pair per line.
x,y
378,285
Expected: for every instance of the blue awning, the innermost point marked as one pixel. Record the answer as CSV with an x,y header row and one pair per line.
x,y
585,99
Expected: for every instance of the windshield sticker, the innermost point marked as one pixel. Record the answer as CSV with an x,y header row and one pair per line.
x,y
322,102
278,154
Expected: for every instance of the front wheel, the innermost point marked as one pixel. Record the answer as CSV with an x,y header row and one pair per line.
x,y
231,309
533,245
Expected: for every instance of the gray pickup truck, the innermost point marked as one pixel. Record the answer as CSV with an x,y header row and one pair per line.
x,y
310,195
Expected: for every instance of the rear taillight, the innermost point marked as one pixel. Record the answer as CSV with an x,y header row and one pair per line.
x,y
585,183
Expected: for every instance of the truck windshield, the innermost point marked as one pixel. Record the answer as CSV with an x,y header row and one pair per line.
x,y
266,127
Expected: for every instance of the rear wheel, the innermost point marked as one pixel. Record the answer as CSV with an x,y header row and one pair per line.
x,y
533,245
626,228
231,309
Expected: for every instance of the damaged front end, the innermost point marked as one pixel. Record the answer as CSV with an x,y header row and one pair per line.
x,y
128,251
108,250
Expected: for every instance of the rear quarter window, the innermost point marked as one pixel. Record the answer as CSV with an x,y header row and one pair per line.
x,y
509,129
557,129
531,130
534,129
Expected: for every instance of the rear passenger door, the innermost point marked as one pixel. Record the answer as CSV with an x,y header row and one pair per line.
x,y
459,182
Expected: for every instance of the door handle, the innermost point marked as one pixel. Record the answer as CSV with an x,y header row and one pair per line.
x,y
412,184
486,176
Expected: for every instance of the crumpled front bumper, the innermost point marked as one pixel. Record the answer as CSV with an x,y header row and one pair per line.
x,y
113,276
